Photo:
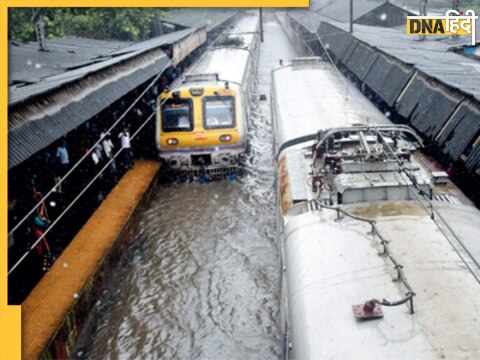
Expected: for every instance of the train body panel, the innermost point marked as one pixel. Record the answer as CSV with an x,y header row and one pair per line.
x,y
351,186
202,124
332,265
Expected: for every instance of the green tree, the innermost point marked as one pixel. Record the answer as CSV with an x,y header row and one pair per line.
x,y
97,23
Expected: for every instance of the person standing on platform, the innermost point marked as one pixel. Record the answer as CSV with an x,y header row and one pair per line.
x,y
108,146
62,157
124,137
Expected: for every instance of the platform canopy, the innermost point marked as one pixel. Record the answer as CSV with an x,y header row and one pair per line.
x,y
52,92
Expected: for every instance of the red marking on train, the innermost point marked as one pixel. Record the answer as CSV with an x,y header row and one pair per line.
x,y
201,138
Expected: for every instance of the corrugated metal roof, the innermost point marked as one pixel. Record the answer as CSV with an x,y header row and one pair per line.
x,y
361,60
460,131
339,9
385,15
431,56
428,100
200,17
428,105
343,45
397,75
32,136
316,5
336,41
155,42
28,64
473,160
306,18
56,80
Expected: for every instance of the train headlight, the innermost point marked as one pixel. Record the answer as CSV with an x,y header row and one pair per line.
x,y
226,138
172,141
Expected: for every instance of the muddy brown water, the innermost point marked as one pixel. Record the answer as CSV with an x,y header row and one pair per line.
x,y
202,278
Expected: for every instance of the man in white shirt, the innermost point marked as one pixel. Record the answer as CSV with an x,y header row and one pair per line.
x,y
124,137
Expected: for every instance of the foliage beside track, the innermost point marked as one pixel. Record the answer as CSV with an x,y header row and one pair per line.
x,y
96,23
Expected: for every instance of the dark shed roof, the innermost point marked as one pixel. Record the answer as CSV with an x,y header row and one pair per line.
x,y
432,56
43,112
428,104
306,18
339,10
461,130
361,60
63,60
385,15
345,48
34,135
199,17
28,65
338,42
397,74
434,99
473,160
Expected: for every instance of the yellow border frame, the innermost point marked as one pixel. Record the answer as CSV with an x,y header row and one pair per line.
x,y
10,316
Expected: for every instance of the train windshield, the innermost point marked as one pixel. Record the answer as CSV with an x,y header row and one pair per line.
x,y
218,112
177,115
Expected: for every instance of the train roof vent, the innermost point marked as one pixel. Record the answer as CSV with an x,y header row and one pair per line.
x,y
307,61
201,78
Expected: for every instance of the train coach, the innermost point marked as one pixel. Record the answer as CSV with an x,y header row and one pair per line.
x,y
379,249
202,122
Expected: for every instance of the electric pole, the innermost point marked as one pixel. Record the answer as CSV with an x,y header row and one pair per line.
x,y
351,16
39,29
261,24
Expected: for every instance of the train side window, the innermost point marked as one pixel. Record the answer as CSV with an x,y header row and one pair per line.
x,y
177,115
218,112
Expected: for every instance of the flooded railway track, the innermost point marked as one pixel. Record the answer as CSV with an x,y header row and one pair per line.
x,y
202,279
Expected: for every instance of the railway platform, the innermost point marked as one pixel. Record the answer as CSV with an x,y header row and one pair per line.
x,y
55,311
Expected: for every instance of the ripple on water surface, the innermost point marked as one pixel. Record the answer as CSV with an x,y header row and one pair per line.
x,y
201,280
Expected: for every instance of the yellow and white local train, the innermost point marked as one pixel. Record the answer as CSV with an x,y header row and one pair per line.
x,y
202,123
380,253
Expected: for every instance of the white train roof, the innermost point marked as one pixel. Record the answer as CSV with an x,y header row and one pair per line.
x,y
247,24
307,100
229,63
332,265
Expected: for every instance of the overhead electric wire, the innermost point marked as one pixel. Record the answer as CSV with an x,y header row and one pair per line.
x,y
433,209
433,212
88,153
325,49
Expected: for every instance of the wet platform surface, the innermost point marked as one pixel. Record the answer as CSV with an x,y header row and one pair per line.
x,y
47,305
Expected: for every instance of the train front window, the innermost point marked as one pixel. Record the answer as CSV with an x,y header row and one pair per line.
x,y
218,112
177,115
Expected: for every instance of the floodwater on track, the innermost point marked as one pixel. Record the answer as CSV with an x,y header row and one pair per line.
x,y
202,278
